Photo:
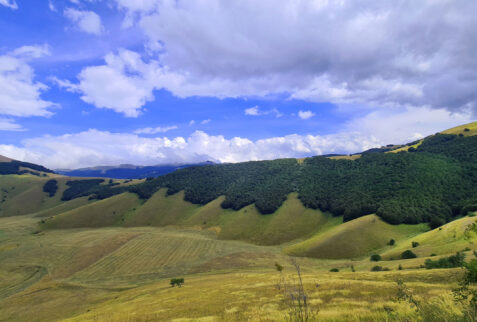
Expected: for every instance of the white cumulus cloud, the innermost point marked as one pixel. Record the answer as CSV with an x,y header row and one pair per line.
x,y
124,84
305,115
346,52
256,111
86,21
20,94
252,111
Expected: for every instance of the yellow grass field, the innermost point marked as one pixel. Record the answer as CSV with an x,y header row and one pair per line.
x,y
122,274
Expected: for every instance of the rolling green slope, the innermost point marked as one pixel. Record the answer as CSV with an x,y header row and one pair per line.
x,y
160,210
466,129
354,239
291,221
109,212
459,235
23,194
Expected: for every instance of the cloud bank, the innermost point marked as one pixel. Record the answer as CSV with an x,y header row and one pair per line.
x,y
94,147
376,54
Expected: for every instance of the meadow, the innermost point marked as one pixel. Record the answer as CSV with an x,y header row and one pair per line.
x,y
123,273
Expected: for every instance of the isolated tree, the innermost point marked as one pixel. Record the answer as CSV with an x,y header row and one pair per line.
x,y
375,258
177,281
408,254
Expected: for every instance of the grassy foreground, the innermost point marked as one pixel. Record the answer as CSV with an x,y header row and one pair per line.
x,y
122,274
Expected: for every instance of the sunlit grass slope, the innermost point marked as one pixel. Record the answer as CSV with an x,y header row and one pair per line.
x,y
113,211
23,194
118,274
354,239
458,235
472,129
160,210
291,221
253,296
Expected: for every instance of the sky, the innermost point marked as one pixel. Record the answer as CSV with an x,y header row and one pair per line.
x,y
105,82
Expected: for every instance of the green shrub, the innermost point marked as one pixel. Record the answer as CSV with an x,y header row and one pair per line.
x,y
379,269
456,260
334,270
177,281
415,244
375,258
408,254
471,271
391,242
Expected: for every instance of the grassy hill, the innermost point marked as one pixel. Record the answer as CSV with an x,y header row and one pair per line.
x,y
354,239
23,194
291,221
109,250
466,130
459,235
118,274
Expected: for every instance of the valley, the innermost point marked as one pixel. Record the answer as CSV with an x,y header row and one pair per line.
x,y
106,249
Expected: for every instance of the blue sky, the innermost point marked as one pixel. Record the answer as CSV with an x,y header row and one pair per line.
x,y
95,82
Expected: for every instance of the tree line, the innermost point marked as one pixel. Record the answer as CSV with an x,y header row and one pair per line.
x,y
433,183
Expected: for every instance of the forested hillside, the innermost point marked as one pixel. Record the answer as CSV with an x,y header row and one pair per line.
x,y
431,183
18,167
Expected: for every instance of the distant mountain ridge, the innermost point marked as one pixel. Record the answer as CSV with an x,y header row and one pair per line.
x,y
127,171
4,159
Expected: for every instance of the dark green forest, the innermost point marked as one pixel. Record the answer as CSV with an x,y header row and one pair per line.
x,y
14,167
50,187
434,183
